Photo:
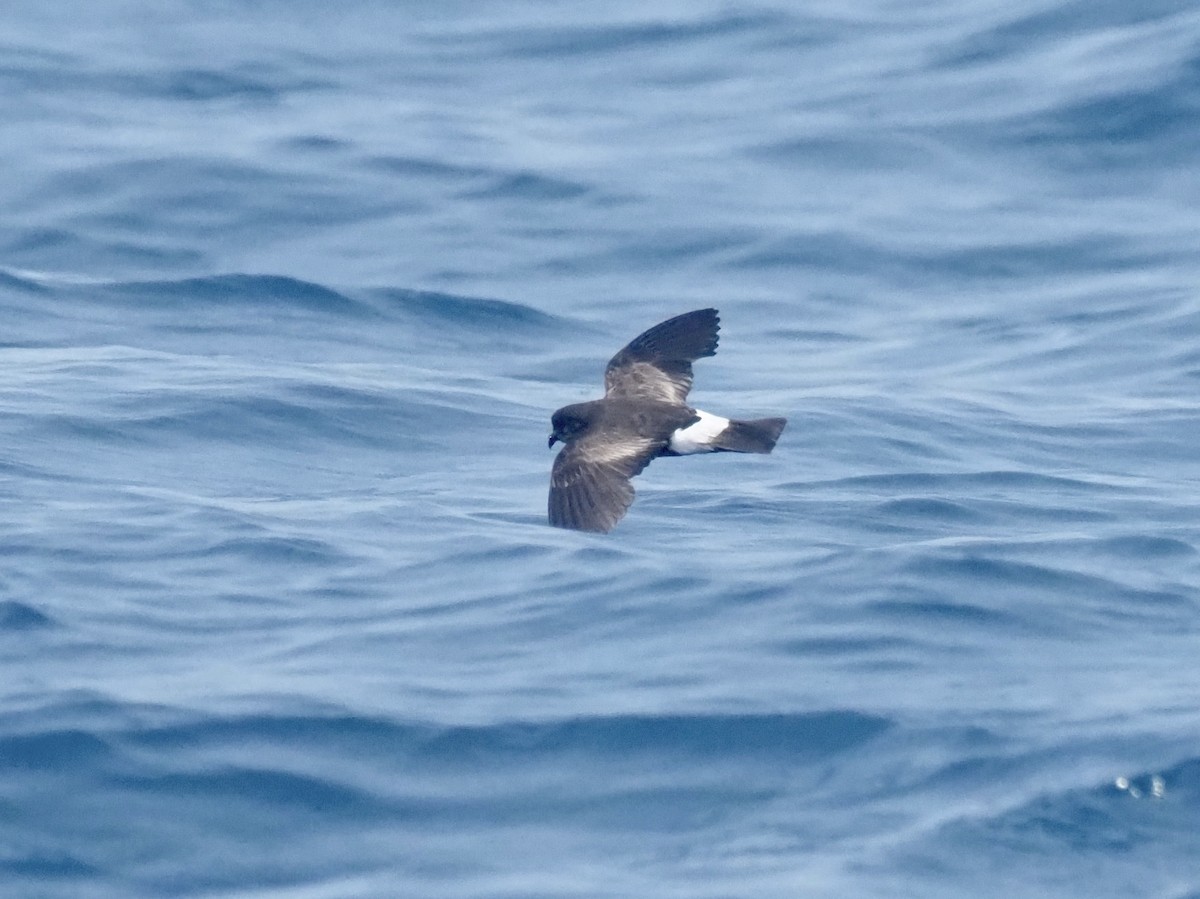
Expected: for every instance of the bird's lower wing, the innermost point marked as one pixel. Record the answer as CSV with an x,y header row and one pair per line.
x,y
589,485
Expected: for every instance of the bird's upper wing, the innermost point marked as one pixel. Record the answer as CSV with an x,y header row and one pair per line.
x,y
657,365
589,485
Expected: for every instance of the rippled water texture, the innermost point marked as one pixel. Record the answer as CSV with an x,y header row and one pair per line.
x,y
287,295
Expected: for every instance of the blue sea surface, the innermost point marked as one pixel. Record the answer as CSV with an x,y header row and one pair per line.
x,y
288,292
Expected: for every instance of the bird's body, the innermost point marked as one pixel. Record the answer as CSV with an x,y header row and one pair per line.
x,y
641,417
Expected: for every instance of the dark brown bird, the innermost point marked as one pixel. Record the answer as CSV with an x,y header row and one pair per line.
x,y
643,416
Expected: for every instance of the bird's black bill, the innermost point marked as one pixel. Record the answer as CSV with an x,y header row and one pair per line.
x,y
553,440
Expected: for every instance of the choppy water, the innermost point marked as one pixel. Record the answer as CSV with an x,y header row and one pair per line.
x,y
288,292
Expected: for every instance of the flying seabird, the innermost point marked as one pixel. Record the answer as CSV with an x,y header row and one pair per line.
x,y
643,416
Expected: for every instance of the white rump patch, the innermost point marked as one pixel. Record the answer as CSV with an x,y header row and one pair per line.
x,y
698,437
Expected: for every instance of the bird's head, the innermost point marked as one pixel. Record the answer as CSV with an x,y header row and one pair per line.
x,y
568,423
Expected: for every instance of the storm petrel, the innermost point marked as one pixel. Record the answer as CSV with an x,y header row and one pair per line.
x,y
643,416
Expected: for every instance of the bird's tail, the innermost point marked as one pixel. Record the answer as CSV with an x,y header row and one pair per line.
x,y
756,436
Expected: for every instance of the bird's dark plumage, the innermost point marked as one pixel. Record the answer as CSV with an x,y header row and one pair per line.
x,y
589,485
642,416
657,365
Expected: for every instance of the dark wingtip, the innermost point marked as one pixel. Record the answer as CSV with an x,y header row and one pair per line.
x,y
713,317
575,513
685,337
583,526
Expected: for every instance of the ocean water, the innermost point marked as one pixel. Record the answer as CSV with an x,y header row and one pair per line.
x,y
288,292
